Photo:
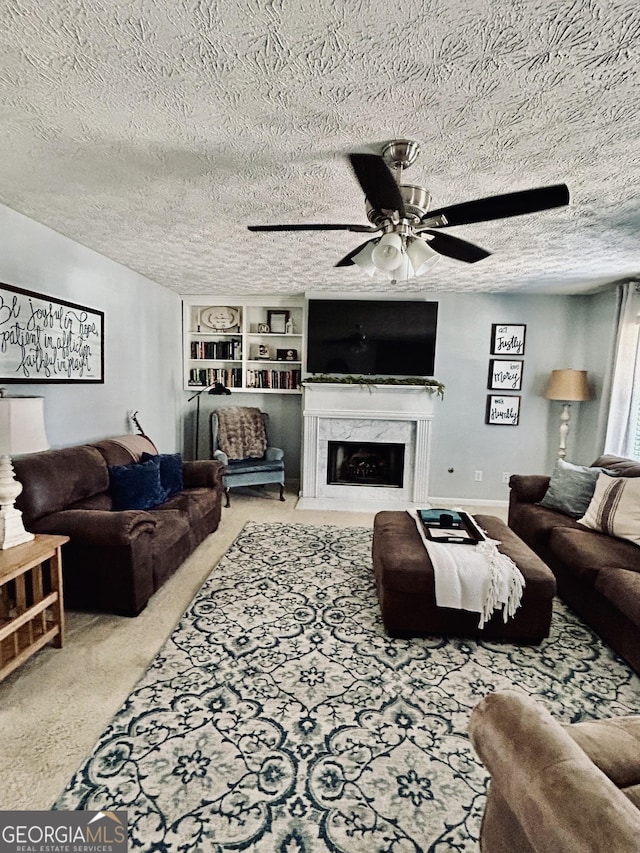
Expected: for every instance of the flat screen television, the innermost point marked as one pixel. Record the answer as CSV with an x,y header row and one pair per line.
x,y
371,337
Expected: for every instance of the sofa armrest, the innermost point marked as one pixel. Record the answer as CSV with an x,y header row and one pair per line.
x,y
528,488
274,454
560,799
97,526
202,472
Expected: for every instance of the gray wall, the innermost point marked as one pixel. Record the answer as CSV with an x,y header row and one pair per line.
x,y
143,371
142,337
562,331
285,423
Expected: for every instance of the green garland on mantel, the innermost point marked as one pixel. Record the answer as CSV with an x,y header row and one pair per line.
x,y
430,385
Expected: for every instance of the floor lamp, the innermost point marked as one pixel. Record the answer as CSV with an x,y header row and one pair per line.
x,y
570,386
216,388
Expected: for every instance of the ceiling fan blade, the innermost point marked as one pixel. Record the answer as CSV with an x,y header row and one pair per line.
x,y
500,206
347,260
454,247
364,229
377,182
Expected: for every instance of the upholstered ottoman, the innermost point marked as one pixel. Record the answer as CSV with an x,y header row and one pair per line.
x,y
406,590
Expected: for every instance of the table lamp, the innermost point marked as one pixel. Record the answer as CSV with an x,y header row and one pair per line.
x,y
570,386
21,431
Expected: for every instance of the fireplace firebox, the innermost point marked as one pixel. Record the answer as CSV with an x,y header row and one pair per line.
x,y
357,463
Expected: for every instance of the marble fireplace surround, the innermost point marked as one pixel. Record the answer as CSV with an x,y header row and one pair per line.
x,y
399,414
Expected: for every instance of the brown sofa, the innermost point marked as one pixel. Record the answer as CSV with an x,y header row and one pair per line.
x,y
116,559
598,576
556,788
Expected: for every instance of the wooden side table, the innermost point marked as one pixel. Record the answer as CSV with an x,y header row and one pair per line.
x,y
31,600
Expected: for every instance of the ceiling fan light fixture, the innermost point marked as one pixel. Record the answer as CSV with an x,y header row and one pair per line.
x,y
387,253
363,259
419,253
404,271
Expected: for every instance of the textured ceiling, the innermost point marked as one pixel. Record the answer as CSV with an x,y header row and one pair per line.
x,y
155,131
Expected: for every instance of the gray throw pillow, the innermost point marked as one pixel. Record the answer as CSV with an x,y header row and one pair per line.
x,y
571,488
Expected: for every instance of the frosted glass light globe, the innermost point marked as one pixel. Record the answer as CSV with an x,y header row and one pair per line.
x,y
387,255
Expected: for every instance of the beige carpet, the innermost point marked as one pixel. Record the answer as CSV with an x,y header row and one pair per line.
x,y
53,709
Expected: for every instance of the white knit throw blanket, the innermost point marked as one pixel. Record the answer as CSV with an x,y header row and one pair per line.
x,y
473,577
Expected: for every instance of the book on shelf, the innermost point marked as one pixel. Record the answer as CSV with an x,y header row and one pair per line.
x,y
282,380
230,350
450,526
204,376
231,377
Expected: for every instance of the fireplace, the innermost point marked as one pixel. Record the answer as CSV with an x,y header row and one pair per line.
x,y
346,428
356,463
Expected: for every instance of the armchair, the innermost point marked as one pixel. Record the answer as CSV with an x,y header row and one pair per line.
x,y
239,439
555,788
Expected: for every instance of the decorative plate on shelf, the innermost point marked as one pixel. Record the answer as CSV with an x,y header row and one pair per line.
x,y
220,318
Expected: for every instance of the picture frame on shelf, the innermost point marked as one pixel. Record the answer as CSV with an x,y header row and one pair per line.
x,y
503,409
263,328
505,375
287,354
508,339
277,320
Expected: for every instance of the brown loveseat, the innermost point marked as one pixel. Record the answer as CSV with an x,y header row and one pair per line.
x,y
116,559
598,575
556,788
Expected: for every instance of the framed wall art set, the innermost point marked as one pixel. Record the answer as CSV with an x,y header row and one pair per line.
x,y
505,374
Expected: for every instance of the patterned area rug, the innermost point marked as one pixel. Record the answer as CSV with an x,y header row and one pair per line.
x,y
280,717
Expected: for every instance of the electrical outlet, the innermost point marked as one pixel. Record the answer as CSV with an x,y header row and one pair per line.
x,y
478,476
505,476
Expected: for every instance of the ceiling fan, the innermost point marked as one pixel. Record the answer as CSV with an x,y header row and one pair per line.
x,y
410,231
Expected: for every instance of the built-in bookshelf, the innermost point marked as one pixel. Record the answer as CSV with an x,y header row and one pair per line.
x,y
244,345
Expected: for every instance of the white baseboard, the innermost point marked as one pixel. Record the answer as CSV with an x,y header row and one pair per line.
x,y
451,502
346,505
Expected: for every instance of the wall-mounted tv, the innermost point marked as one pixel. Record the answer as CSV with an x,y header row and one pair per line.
x,y
371,337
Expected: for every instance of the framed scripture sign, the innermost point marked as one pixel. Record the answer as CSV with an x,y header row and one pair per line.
x,y
507,340
503,410
505,375
44,339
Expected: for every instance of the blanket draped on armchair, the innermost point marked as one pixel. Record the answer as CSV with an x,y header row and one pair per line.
x,y
241,432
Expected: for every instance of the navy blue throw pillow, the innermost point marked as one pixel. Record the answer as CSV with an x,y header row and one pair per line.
x,y
170,471
136,486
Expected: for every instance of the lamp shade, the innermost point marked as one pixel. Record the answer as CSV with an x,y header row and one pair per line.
x,y
568,385
363,259
404,271
419,253
387,254
22,425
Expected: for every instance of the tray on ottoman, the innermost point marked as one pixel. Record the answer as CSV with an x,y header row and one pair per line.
x,y
406,591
